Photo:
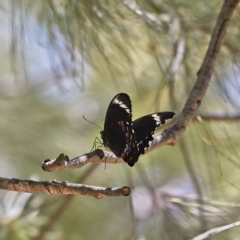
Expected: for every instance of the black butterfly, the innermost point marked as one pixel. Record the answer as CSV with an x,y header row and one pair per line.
x,y
126,138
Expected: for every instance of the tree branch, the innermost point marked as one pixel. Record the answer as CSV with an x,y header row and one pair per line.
x,y
65,188
171,135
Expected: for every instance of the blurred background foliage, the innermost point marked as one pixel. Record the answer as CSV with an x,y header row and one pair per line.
x,y
63,59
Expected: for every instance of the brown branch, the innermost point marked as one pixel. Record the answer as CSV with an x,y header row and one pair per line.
x,y
65,188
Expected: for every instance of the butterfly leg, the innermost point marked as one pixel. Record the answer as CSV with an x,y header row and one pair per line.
x,y
97,144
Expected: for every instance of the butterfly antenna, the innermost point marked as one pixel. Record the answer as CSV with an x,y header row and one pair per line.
x,y
91,122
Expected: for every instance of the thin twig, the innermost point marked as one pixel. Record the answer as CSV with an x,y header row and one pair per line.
x,y
62,162
215,231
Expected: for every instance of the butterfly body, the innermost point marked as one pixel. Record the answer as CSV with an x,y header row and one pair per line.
x,y
126,138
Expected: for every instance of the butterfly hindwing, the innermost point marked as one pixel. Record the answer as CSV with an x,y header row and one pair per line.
x,y
130,154
144,128
146,125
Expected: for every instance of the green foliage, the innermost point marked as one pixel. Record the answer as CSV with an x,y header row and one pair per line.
x,y
68,59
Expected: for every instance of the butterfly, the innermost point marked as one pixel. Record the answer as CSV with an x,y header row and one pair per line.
x,y
126,138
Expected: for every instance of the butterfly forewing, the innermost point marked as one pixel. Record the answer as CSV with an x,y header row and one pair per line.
x,y
118,120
